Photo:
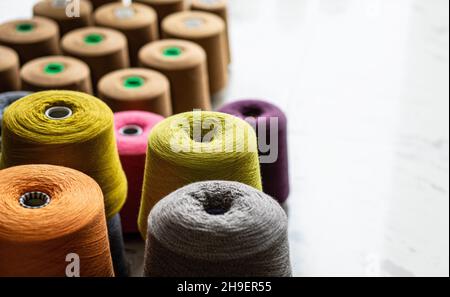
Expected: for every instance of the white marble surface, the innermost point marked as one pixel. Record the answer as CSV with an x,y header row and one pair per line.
x,y
365,86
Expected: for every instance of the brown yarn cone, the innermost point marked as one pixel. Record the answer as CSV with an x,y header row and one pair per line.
x,y
56,10
56,73
103,49
31,38
164,7
219,8
97,3
136,89
184,64
9,70
137,22
208,31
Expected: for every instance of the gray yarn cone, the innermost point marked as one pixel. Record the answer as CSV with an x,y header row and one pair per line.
x,y
217,229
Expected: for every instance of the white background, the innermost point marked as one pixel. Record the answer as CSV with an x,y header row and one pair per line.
x,y
365,86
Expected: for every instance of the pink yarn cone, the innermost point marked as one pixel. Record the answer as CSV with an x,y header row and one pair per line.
x,y
132,131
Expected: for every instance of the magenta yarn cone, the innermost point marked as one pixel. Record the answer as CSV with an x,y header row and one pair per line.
x,y
132,131
273,147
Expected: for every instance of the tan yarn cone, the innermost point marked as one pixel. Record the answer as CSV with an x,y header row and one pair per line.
x,y
136,89
9,70
208,31
56,10
219,8
103,49
184,64
56,73
164,7
31,38
137,22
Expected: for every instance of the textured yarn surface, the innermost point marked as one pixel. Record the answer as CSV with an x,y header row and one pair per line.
x,y
35,242
56,11
217,229
132,151
6,99
259,113
40,38
225,150
9,70
210,34
84,141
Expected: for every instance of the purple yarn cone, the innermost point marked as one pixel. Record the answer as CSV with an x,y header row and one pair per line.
x,y
275,176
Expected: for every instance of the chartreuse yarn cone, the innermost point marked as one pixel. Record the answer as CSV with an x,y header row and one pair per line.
x,y
69,129
197,146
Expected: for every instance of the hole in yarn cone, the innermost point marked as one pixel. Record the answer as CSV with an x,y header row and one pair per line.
x,y
172,51
216,206
131,130
25,27
34,200
193,22
251,111
216,211
210,2
93,39
125,12
58,113
200,134
133,82
215,201
54,68
59,3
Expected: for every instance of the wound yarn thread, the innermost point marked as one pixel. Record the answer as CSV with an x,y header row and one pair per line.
x,y
56,10
230,153
83,141
184,64
136,89
31,38
6,99
138,22
219,8
217,229
132,131
208,31
36,241
9,70
103,49
164,8
56,73
275,175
